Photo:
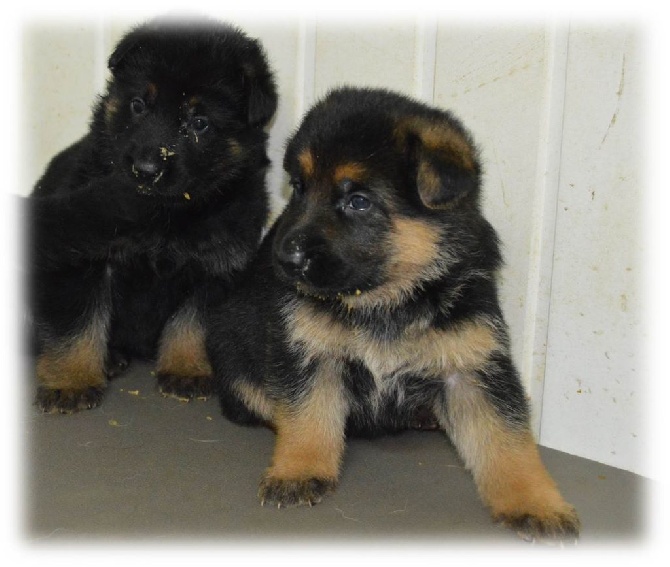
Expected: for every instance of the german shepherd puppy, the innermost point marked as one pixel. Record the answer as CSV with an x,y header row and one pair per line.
x,y
166,188
373,300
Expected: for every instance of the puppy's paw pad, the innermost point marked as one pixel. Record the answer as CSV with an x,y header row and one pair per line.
x,y
68,400
289,492
185,388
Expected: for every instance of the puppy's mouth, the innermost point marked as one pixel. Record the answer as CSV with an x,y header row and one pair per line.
x,y
309,280
145,190
326,295
331,290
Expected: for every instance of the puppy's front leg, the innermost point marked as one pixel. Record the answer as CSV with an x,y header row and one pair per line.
x,y
487,421
309,443
71,365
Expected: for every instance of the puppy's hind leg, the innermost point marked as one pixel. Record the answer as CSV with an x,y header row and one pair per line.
x,y
489,428
183,369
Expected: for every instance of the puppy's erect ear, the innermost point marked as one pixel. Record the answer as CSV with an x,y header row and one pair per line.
x,y
260,86
444,158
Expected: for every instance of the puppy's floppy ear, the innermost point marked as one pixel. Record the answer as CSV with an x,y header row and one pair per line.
x,y
260,86
123,48
444,158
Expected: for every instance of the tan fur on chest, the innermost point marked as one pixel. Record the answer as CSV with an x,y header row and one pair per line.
x,y
420,350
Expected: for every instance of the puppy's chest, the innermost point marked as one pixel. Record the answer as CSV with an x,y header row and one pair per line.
x,y
160,246
316,334
419,348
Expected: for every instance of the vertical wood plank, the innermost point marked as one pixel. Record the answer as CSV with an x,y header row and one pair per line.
x,y
596,376
543,214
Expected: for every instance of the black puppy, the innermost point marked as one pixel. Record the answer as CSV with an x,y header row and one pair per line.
x,y
374,300
168,186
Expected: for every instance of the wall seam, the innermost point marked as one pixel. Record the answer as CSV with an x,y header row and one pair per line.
x,y
425,58
306,67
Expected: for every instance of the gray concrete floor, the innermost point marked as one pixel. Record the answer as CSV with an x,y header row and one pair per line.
x,y
144,467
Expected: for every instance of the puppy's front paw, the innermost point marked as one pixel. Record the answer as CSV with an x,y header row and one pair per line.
x,y
185,388
294,492
560,524
68,400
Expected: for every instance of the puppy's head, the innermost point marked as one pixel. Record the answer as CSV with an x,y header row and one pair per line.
x,y
186,106
378,180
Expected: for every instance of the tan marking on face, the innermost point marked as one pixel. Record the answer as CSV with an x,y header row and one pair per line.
x,y
503,458
307,163
182,348
194,101
310,435
235,147
76,364
111,108
415,247
352,170
414,258
152,92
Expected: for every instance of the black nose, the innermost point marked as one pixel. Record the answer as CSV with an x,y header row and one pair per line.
x,y
291,253
146,167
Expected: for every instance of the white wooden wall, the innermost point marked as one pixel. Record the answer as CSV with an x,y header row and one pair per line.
x,y
555,108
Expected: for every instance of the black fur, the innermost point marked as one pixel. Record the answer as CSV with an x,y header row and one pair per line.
x,y
166,188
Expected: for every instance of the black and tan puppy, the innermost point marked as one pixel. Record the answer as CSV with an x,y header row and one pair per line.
x,y
167,187
374,300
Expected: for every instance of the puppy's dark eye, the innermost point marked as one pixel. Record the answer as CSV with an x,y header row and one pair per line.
x,y
138,106
359,203
298,187
199,124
